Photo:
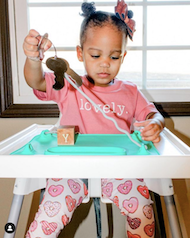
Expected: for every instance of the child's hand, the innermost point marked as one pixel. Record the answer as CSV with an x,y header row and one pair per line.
x,y
151,128
31,42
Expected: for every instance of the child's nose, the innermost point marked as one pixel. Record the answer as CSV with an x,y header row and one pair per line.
x,y
105,63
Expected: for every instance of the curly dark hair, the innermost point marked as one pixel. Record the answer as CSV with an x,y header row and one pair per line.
x,y
93,18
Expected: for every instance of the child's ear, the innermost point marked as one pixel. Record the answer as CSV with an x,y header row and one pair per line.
x,y
79,53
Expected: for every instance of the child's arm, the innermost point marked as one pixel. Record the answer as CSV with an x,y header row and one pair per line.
x,y
33,71
152,127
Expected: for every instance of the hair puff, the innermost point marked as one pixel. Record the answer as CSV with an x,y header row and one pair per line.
x,y
88,9
130,14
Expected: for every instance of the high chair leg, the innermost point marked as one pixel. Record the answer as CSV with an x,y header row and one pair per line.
x,y
96,201
173,217
14,213
158,215
110,220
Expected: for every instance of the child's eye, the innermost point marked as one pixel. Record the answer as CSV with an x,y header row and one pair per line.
x,y
95,56
114,58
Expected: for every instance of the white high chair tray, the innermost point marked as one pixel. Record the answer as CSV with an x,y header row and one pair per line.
x,y
173,161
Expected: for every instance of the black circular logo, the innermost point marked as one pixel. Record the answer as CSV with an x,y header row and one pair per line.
x,y
9,227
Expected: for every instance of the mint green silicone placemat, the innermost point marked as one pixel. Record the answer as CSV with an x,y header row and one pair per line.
x,y
88,144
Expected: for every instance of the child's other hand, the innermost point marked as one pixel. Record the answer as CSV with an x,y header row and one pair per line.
x,y
30,45
151,128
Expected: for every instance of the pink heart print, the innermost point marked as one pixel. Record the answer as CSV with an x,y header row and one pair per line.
x,y
141,180
116,201
85,189
149,229
74,186
52,208
147,210
108,189
48,228
56,179
131,205
134,223
143,190
65,220
33,226
80,201
55,190
130,235
125,188
103,182
70,202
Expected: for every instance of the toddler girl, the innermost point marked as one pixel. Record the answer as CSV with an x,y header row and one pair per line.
x,y
103,39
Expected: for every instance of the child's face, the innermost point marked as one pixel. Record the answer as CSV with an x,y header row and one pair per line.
x,y
102,54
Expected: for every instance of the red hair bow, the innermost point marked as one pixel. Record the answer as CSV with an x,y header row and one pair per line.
x,y
121,11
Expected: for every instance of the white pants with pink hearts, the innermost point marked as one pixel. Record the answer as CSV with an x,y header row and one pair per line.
x,y
62,196
132,197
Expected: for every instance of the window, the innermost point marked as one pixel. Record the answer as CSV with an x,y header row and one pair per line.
x,y
158,59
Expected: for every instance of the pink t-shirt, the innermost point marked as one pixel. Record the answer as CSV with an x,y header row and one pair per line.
x,y
121,101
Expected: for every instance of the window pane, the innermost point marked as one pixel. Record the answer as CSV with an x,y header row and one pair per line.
x,y
168,0
168,25
168,69
51,1
55,23
115,1
131,69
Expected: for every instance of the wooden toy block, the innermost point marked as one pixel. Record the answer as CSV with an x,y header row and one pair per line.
x,y
66,135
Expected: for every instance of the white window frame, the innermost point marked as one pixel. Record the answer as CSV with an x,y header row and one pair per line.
x,y
19,29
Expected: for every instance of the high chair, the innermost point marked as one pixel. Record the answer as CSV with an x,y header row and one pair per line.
x,y
24,186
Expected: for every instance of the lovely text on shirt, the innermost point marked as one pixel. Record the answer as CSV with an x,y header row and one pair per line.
x,y
113,108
